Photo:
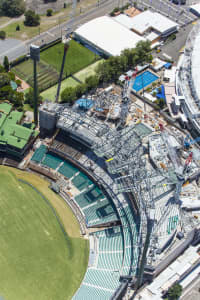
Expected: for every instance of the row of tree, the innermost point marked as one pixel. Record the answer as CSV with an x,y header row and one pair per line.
x,y
70,94
110,70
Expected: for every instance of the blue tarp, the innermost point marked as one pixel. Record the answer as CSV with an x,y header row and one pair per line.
x,y
167,65
84,103
162,93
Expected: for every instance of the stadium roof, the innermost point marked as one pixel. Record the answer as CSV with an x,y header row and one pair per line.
x,y
152,20
196,65
108,35
12,133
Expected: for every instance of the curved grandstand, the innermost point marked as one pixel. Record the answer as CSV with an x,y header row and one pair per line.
x,y
120,194
187,78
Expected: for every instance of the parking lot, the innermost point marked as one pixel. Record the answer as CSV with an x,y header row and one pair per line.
x,y
177,13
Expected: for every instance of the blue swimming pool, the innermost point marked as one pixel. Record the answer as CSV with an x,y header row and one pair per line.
x,y
144,80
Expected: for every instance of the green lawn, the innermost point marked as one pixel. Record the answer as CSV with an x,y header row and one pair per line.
x,y
77,58
81,75
37,260
50,93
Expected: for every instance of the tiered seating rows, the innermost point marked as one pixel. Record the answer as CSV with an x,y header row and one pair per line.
x,y
110,260
106,279
51,161
88,197
81,181
101,212
39,154
92,293
67,170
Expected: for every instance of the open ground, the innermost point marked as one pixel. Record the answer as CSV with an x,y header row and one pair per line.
x,y
41,257
77,58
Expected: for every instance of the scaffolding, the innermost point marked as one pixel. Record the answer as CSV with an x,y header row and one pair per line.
x,y
81,126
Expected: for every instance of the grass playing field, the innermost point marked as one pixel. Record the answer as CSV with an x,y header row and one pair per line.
x,y
78,57
38,260
50,93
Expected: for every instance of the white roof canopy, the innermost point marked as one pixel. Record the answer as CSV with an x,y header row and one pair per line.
x,y
108,35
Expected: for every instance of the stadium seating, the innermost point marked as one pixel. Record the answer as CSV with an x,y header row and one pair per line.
x,y
110,260
39,154
88,197
51,161
102,278
81,181
87,292
101,212
67,170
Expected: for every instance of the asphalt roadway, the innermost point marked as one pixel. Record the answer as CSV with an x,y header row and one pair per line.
x,y
15,48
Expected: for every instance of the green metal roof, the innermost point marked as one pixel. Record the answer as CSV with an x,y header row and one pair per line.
x,y
15,116
5,108
16,142
10,132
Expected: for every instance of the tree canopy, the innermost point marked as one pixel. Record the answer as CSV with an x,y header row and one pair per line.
x,y
12,8
31,18
175,292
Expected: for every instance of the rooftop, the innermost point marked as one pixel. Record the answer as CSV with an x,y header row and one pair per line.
x,y
108,35
11,132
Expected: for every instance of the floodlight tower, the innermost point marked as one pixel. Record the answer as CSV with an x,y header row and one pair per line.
x,y
35,56
65,40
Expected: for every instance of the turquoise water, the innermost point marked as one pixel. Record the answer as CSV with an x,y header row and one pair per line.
x,y
144,80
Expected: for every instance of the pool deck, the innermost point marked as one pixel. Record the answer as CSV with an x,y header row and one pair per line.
x,y
148,85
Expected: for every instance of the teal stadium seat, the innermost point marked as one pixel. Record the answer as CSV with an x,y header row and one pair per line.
x,y
52,161
81,181
67,170
39,154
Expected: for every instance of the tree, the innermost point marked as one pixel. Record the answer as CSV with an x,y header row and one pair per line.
x,y
175,292
2,35
80,89
31,18
92,81
29,98
6,63
49,12
68,95
4,79
12,8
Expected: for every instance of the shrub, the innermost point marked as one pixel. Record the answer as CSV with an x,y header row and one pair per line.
x,y
49,12
31,18
2,35
18,82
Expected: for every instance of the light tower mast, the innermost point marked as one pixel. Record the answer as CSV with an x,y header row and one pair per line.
x,y
65,40
35,56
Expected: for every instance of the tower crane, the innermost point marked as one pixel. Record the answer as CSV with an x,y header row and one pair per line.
x,y
129,81
65,40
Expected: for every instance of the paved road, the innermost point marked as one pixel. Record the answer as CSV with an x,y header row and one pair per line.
x,y
103,8
173,48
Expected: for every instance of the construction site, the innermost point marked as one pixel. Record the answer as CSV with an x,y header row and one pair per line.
x,y
149,174
131,177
